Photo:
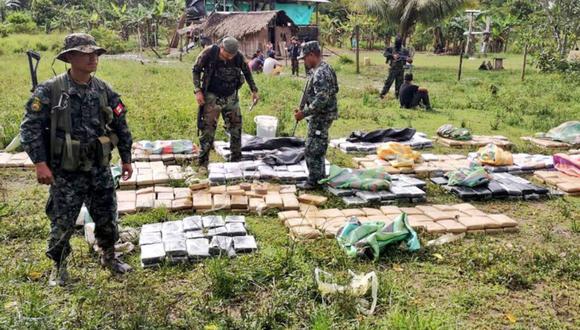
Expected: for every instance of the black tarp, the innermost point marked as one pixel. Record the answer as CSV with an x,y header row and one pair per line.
x,y
382,135
258,143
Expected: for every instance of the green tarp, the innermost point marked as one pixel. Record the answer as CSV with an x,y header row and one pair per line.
x,y
345,178
299,13
372,238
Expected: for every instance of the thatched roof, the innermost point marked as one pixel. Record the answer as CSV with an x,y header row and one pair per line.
x,y
239,24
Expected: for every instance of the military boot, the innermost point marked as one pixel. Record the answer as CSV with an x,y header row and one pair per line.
x,y
58,275
115,265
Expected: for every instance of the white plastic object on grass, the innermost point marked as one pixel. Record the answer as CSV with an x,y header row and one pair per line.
x,y
266,126
84,217
447,238
90,233
358,287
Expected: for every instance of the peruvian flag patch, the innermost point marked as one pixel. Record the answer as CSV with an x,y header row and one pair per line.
x,y
119,109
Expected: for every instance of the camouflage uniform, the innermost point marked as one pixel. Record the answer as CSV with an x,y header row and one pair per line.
x,y
93,184
321,111
221,96
396,69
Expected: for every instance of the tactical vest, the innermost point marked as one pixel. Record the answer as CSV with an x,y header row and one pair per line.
x,y
223,83
69,154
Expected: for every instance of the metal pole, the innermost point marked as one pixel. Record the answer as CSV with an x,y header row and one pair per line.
x,y
469,35
524,65
460,64
357,31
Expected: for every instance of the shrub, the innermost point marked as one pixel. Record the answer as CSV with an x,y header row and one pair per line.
x,y
109,40
41,47
345,59
21,22
4,30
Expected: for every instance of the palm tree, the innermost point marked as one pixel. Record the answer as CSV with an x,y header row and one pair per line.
x,y
410,12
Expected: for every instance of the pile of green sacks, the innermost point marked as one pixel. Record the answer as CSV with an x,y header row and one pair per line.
x,y
455,133
371,239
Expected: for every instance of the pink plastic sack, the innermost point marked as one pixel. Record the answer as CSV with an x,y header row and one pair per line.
x,y
568,164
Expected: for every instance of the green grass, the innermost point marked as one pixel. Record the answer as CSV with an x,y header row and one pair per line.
x,y
525,280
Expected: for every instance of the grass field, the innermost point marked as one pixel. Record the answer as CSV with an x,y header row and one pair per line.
x,y
521,281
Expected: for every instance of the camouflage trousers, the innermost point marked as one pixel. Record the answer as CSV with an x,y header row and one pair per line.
x,y
316,146
229,107
67,194
395,75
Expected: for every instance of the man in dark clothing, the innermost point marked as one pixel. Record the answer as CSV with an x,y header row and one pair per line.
x,y
411,95
217,92
396,57
294,52
83,118
321,110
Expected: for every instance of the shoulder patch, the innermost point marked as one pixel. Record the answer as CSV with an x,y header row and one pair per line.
x,y
36,104
119,109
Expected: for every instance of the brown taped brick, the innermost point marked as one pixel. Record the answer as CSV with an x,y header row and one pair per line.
x,y
390,210
182,204
290,202
411,210
434,228
419,218
304,232
312,199
329,213
217,190
452,226
199,186
370,211
503,220
239,202
202,201
289,215
273,200
221,201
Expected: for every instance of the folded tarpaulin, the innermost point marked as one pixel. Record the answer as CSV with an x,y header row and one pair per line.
x,y
567,164
250,143
163,147
285,156
473,176
372,238
455,133
383,135
568,132
345,178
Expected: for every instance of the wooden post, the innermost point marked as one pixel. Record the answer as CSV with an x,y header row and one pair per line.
x,y
317,20
180,47
524,64
469,33
357,35
460,64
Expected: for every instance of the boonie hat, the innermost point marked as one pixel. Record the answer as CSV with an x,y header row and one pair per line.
x,y
80,42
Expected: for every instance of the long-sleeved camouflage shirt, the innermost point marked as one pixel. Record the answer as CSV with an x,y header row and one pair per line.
x,y
85,118
321,93
226,74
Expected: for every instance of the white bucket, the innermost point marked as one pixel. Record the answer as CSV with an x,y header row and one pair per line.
x,y
266,126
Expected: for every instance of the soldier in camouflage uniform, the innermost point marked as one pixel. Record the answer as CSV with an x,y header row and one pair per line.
x,y
71,124
396,57
217,92
321,110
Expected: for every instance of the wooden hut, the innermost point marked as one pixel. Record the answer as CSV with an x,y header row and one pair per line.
x,y
253,29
